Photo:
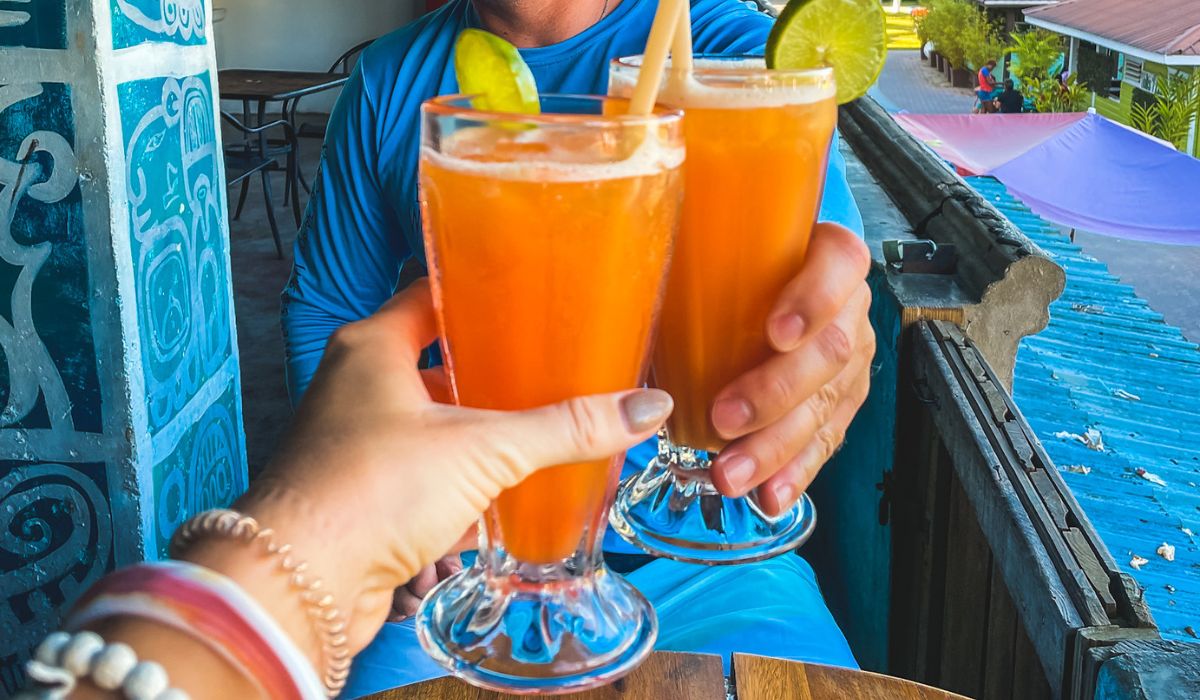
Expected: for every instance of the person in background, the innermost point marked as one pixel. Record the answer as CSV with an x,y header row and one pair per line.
x,y
986,89
1011,101
374,482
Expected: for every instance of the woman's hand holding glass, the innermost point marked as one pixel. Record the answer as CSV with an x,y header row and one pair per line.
x,y
378,481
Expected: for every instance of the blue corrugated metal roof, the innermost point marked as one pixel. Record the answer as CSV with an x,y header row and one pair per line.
x,y
1109,362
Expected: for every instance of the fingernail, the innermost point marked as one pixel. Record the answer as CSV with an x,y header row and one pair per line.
x,y
739,471
731,415
785,496
645,410
787,331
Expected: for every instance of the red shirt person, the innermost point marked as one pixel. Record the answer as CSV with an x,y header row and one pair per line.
x,y
987,82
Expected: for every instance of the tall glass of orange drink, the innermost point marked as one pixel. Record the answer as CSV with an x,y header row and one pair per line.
x,y
758,143
548,239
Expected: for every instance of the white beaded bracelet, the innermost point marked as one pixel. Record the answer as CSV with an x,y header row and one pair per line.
x,y
63,659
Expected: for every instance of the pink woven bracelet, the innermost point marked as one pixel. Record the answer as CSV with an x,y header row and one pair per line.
x,y
211,609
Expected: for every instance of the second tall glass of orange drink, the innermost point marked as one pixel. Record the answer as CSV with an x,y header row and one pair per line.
x,y
758,143
548,238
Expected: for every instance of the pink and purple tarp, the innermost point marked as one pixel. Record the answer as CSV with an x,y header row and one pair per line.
x,y
1077,170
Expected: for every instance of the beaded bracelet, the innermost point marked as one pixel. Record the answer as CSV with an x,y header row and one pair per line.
x,y
327,621
62,660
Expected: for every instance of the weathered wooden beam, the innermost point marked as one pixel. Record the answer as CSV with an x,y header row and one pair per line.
x,y
1068,591
1044,603
1003,283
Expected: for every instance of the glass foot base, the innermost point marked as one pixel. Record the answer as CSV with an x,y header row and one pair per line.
x,y
527,633
677,513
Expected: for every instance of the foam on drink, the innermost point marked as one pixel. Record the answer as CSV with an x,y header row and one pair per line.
x,y
537,155
711,85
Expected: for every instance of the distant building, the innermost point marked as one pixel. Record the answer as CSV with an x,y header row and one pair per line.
x,y
1121,49
1011,13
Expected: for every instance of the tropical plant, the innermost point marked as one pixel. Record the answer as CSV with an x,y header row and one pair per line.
x,y
1034,52
1172,111
1049,95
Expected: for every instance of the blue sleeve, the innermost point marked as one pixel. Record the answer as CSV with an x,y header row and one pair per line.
x,y
346,257
727,27
837,204
724,27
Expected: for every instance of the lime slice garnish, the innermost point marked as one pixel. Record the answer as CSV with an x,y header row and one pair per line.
x,y
849,36
492,69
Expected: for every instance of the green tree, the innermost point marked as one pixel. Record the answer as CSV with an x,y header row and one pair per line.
x,y
980,40
945,25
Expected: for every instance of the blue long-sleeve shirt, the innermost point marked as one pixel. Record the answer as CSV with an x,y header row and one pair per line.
x,y
363,221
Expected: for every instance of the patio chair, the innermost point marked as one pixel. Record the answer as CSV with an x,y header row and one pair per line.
x,y
343,65
259,153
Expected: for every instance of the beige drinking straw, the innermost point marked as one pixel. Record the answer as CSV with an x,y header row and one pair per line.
x,y
654,62
681,48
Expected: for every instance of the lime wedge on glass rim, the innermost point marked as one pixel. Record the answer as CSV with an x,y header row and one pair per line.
x,y
492,71
849,36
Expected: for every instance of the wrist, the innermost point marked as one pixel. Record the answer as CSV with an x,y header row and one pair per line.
x,y
258,578
305,596
335,550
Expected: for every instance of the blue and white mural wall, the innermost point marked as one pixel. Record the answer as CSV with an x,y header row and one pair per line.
x,y
176,21
120,413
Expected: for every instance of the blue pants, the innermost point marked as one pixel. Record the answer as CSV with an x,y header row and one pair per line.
x,y
773,608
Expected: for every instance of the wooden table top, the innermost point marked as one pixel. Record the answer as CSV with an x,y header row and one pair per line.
x,y
275,85
701,677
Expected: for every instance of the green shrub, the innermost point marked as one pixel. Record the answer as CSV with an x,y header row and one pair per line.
x,y
1169,114
981,43
1048,95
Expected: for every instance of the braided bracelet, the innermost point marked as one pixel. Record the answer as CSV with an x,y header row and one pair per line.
x,y
214,611
62,660
327,621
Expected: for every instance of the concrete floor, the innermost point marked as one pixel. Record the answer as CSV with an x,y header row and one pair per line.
x,y
258,278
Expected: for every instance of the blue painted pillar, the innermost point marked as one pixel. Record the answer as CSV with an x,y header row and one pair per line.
x,y
120,411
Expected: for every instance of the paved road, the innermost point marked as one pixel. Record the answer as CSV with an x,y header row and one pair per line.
x,y
909,84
